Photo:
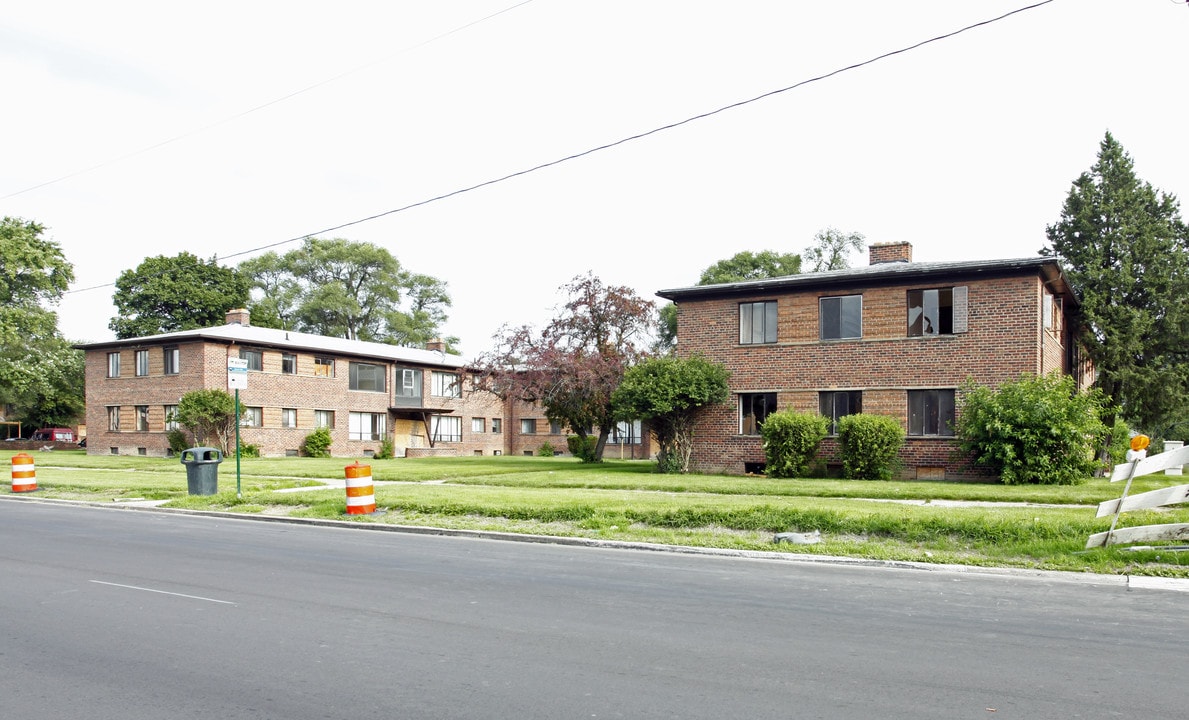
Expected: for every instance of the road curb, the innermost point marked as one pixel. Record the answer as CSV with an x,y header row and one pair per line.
x,y
1131,582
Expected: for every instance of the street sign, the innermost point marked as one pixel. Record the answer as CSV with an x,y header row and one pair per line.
x,y
237,374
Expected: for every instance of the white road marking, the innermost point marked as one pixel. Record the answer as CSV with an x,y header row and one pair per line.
x,y
164,592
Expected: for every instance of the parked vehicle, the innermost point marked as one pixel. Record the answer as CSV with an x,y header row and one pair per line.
x,y
53,435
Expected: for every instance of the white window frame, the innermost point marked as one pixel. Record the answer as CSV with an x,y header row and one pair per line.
x,y
367,426
171,422
289,417
445,384
445,428
142,363
113,364
252,417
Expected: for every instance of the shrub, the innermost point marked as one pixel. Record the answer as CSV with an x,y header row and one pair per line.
x,y
249,450
1038,429
791,440
582,448
387,450
869,444
546,450
317,443
177,441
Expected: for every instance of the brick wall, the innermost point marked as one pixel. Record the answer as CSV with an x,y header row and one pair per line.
x,y
203,365
1003,341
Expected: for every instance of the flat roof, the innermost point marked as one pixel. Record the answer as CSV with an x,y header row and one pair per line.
x,y
889,273
250,335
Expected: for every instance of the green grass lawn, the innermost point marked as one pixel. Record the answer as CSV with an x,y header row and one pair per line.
x,y
627,501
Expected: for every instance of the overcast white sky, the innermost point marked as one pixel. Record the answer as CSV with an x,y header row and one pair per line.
x,y
965,147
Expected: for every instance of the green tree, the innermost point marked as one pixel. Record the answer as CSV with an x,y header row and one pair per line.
x,y
669,393
831,249
1123,245
41,375
573,366
209,415
354,290
166,294
747,265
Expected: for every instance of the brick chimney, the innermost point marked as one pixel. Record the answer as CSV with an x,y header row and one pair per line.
x,y
436,345
890,252
239,316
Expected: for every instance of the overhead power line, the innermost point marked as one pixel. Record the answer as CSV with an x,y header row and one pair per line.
x,y
622,141
257,108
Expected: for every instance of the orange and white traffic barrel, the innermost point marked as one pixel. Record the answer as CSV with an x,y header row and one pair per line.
x,y
361,494
24,473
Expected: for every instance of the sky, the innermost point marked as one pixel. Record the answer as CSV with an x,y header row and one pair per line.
x,y
134,129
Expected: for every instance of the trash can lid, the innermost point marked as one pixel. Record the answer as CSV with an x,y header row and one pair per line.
x,y
202,454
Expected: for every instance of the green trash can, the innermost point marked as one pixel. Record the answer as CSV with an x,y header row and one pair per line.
x,y
202,469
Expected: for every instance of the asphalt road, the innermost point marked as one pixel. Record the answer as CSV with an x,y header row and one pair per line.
x,y
136,615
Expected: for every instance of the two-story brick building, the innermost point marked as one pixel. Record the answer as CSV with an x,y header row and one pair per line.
x,y
895,338
423,400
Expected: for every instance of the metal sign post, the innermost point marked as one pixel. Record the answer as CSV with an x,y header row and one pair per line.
x,y
237,379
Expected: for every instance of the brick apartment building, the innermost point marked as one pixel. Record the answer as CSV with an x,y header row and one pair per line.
x,y
895,338
424,401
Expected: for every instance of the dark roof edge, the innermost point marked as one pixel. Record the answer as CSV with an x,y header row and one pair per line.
x,y
883,273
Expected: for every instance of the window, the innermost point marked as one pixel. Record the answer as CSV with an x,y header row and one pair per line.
x,y
142,363
1051,312
171,418
446,385
930,412
554,427
841,317
113,418
113,364
497,426
367,426
754,409
757,323
478,425
171,360
837,404
289,417
446,428
323,366
255,358
252,417
142,418
528,426
930,312
366,376
625,433
289,363
408,385
324,418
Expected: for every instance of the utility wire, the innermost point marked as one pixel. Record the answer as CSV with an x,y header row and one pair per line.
x,y
257,108
625,140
